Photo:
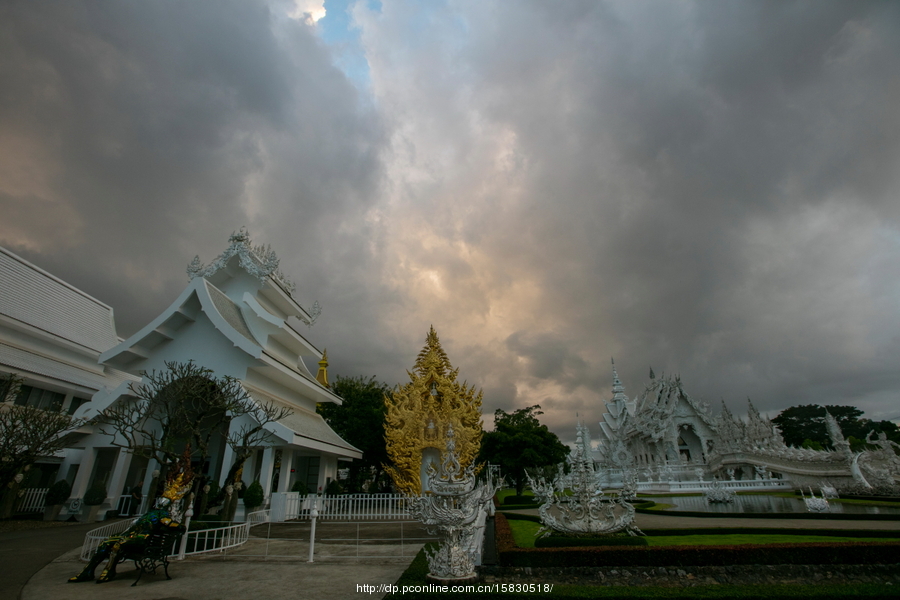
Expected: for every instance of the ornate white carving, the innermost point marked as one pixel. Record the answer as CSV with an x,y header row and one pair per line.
x,y
452,511
260,261
814,504
829,492
586,510
717,494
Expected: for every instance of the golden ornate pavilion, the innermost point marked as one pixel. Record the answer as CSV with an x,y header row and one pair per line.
x,y
420,413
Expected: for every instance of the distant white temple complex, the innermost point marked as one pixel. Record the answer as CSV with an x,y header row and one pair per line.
x,y
237,317
664,440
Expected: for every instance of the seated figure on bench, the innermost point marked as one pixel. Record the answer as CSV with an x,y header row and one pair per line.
x,y
131,544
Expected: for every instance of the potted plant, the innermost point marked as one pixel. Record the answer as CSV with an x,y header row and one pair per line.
x,y
56,496
253,497
93,499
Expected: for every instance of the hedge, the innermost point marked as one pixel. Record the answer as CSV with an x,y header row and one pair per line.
x,y
823,553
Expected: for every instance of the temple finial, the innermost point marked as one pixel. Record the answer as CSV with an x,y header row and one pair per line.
x,y
322,375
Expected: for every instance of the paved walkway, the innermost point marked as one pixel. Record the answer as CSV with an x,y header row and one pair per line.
x,y
40,558
25,552
38,564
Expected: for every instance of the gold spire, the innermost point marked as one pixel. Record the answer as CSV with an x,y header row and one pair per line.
x,y
322,375
420,413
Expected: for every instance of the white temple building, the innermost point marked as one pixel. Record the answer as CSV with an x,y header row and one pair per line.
x,y
52,335
663,440
237,317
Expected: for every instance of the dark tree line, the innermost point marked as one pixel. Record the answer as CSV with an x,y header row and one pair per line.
x,y
805,426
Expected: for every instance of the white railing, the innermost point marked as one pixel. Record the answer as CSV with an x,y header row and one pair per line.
x,y
94,537
32,500
258,517
286,506
216,540
198,542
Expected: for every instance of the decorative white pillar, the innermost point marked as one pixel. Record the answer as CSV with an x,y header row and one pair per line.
x,y
287,463
265,471
117,482
80,485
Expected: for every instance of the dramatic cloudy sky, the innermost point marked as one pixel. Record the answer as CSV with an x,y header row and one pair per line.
x,y
710,188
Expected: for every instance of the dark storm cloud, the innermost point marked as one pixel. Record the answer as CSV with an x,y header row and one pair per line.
x,y
699,186
707,188
157,127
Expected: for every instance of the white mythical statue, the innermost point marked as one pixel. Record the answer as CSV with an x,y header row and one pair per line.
x,y
586,510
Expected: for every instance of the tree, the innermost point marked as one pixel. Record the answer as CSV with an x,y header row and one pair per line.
x,y
519,442
186,405
805,425
360,421
26,434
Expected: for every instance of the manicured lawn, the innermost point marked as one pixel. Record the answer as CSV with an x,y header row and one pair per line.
x,y
502,494
524,532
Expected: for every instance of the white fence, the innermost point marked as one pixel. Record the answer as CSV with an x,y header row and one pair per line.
x,y
32,500
94,537
198,541
286,506
699,486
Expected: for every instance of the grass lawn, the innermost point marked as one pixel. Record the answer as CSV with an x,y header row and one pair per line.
x,y
502,494
524,532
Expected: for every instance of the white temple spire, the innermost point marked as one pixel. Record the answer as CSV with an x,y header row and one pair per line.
x,y
618,388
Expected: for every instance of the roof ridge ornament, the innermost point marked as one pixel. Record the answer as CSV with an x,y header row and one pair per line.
x,y
260,261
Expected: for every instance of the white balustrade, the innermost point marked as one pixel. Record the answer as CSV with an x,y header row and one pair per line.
x,y
32,500
286,506
94,537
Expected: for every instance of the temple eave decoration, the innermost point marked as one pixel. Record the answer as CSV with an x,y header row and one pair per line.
x,y
421,413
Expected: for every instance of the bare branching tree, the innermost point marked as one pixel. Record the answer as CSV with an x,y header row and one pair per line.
x,y
184,404
26,434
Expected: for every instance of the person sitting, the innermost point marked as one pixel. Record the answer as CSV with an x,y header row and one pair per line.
x,y
132,542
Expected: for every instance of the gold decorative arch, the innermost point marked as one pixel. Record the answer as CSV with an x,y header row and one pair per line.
x,y
420,413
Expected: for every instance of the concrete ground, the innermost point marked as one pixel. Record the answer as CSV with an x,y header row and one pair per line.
x,y
273,564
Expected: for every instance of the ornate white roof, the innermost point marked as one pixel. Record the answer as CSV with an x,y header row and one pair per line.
x,y
309,429
31,296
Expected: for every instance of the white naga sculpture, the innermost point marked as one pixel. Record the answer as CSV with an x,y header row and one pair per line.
x,y
452,510
814,504
586,511
717,494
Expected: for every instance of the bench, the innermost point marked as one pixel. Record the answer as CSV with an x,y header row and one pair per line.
x,y
160,544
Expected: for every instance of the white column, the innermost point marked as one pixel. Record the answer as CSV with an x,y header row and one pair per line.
x,y
265,472
147,503
79,487
287,463
327,468
117,481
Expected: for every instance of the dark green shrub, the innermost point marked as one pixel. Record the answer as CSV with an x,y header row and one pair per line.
x,y
300,486
561,541
95,496
254,496
333,488
58,493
